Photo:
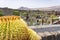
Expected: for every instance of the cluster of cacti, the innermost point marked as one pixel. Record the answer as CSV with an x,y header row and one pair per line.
x,y
14,28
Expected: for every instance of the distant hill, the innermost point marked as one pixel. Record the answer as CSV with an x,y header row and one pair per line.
x,y
9,11
24,8
56,8
6,11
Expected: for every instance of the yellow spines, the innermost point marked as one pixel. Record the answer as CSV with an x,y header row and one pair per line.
x,y
7,18
15,28
33,35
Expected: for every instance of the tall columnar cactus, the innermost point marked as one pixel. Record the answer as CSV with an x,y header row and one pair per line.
x,y
14,28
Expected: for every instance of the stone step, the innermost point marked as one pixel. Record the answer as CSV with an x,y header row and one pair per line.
x,y
50,35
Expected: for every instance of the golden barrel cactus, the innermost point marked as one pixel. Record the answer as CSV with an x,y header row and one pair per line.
x,y
14,28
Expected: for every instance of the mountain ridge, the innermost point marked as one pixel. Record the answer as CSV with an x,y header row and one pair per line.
x,y
56,8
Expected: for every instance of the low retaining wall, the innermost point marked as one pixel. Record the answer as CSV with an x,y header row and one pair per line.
x,y
48,33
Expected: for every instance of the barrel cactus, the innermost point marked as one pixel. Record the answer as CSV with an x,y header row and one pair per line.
x,y
15,28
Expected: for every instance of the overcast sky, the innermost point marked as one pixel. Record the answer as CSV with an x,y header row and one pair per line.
x,y
28,3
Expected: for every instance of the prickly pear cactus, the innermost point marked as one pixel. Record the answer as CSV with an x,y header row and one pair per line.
x,y
14,28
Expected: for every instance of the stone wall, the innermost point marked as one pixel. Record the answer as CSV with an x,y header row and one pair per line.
x,y
48,33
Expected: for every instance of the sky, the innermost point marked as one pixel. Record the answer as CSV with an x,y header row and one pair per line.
x,y
28,3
